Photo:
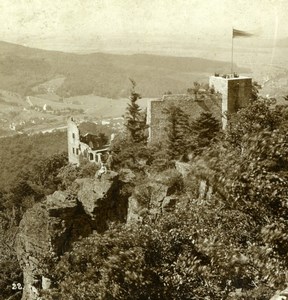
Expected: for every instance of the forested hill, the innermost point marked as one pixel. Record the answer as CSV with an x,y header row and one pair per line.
x,y
22,68
20,153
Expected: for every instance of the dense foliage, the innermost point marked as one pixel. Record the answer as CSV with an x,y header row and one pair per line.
x,y
228,245
19,153
29,171
231,244
204,130
185,136
177,132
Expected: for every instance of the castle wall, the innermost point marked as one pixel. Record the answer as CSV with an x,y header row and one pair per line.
x,y
239,93
77,148
73,138
157,119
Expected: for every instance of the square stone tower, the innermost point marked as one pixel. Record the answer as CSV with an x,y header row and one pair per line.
x,y
73,137
236,92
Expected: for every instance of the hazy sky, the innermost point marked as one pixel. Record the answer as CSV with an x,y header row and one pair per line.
x,y
45,23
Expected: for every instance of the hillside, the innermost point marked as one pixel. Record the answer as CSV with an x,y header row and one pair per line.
x,y
20,152
22,69
152,226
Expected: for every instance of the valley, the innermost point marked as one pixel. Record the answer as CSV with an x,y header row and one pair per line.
x,y
40,89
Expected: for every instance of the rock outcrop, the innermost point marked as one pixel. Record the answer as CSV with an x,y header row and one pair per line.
x,y
46,231
49,228
281,295
101,200
153,197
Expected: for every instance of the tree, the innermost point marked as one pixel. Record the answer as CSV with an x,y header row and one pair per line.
x,y
177,131
135,119
255,90
258,116
204,129
195,89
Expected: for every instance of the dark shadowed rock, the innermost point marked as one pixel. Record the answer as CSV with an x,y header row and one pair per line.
x,y
102,200
153,197
49,228
45,232
169,203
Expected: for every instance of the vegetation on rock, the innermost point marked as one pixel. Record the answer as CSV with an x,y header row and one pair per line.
x,y
230,245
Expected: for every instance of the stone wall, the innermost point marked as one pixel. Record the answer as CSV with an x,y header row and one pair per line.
x,y
77,148
73,138
157,119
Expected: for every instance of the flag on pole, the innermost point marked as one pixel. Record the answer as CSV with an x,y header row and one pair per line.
x,y
241,33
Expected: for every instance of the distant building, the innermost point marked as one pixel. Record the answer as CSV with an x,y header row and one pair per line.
x,y
83,144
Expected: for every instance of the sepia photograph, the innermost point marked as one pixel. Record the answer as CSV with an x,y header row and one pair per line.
x,y
144,150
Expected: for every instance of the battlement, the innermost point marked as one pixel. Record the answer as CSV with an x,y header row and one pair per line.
x,y
233,76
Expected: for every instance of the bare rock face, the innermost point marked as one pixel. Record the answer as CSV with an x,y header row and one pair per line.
x,y
45,232
283,295
183,168
94,192
126,176
102,201
48,229
152,197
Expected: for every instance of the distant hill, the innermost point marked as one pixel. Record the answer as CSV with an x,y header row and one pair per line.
x,y
23,68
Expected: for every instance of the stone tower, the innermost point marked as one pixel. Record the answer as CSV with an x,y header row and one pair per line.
x,y
236,92
73,137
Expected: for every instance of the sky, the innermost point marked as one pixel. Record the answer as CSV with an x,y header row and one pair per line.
x,y
83,24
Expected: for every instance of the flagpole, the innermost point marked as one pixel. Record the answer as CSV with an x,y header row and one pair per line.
x,y
232,53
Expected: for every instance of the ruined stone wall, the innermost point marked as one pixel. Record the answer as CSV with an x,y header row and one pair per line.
x,y
157,119
73,137
77,148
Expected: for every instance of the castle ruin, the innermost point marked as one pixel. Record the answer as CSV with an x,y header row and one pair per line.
x,y
83,145
226,94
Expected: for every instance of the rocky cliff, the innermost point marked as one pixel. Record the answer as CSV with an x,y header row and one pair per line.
x,y
49,228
